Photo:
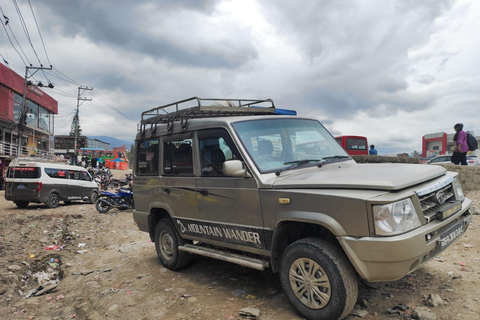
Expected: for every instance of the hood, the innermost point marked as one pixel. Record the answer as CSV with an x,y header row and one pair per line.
x,y
382,176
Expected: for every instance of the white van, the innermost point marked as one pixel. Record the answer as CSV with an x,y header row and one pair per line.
x,y
48,182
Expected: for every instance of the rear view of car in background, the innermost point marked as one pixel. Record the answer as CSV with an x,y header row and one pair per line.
x,y
48,183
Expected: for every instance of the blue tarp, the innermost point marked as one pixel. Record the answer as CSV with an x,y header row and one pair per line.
x,y
285,112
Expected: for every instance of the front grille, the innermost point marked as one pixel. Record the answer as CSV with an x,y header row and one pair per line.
x,y
430,204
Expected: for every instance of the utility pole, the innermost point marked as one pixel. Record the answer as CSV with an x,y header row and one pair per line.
x,y
76,116
22,120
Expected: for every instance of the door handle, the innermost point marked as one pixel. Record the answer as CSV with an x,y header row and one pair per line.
x,y
203,192
166,190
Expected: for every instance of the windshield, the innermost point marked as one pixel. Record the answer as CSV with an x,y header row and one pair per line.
x,y
282,144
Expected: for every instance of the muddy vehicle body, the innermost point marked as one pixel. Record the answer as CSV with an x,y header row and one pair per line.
x,y
236,181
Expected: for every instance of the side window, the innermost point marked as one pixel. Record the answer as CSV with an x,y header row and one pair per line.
x,y
148,157
177,157
85,176
73,175
56,173
216,147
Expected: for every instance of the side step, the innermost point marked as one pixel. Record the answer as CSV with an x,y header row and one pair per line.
x,y
253,263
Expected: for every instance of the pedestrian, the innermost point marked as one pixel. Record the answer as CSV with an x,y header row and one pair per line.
x,y
372,150
460,150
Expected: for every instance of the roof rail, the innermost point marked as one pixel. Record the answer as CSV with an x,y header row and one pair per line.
x,y
206,108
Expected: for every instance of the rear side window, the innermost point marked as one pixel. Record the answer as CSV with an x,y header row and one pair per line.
x,y
23,172
178,158
73,175
147,157
56,173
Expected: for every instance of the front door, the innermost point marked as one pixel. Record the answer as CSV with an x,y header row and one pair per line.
x,y
229,207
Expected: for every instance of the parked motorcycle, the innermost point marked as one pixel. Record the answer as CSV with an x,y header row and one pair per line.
x,y
122,200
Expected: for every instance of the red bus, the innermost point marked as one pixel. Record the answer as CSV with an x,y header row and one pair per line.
x,y
354,145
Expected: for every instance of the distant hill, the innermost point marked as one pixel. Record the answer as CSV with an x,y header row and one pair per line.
x,y
114,143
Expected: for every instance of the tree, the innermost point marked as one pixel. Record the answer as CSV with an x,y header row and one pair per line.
x,y
75,125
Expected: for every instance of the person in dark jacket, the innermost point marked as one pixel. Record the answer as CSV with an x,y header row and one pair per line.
x,y
459,155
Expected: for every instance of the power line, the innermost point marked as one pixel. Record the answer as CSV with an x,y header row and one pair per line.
x,y
25,29
108,104
38,28
9,39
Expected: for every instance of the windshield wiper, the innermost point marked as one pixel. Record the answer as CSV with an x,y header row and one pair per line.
x,y
336,157
297,163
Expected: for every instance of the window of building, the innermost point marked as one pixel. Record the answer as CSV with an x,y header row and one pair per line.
x,y
43,119
37,116
147,157
178,159
32,114
17,107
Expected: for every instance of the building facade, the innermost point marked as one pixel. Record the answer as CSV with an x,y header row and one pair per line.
x,y
37,136
65,145
440,143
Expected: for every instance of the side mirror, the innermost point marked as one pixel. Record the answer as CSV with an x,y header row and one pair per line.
x,y
235,168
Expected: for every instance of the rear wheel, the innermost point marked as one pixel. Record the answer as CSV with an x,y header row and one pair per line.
x,y
167,241
21,204
318,279
102,207
53,200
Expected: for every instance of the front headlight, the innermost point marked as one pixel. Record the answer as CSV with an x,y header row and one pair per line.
x,y
395,218
458,189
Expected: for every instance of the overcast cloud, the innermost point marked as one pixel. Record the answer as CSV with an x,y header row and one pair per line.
x,y
389,70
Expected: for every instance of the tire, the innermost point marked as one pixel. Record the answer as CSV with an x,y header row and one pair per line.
x,y
102,207
21,204
93,197
53,200
167,241
331,292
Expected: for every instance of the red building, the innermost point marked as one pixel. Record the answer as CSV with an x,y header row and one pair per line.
x,y
434,144
37,137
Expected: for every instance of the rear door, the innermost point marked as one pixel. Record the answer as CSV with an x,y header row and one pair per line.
x,y
176,189
23,182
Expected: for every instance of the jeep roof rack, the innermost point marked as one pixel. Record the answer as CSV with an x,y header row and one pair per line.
x,y
204,108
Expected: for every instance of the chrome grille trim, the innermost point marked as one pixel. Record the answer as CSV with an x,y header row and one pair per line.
x,y
427,198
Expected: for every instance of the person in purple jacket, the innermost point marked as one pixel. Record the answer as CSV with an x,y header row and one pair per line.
x,y
461,146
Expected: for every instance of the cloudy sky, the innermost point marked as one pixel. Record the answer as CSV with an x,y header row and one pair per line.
x,y
389,70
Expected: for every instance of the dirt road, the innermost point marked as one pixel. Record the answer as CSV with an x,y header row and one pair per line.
x,y
108,269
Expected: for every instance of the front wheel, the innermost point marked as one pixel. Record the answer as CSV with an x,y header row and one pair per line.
x,y
102,207
93,197
318,279
167,241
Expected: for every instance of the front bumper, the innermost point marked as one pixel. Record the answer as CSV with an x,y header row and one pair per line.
x,y
391,258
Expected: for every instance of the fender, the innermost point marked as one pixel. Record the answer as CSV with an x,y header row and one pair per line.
x,y
314,218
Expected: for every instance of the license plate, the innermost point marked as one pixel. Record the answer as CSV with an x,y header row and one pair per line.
x,y
21,186
451,235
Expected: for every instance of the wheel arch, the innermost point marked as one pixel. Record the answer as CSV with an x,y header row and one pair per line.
x,y
293,226
157,213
